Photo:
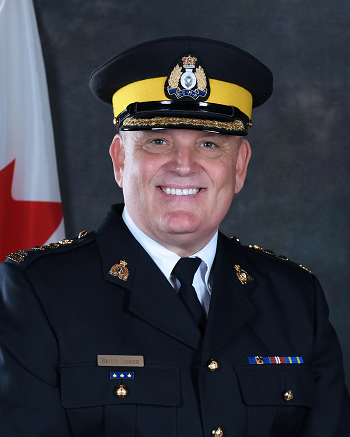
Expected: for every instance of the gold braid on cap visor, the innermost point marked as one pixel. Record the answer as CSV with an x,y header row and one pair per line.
x,y
235,126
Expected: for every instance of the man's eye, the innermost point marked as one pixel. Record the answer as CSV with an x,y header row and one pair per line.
x,y
158,142
157,146
208,145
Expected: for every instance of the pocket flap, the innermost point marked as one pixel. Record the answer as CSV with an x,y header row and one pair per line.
x,y
88,385
266,385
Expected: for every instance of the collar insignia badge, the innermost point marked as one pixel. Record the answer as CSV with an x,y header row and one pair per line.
x,y
243,276
187,82
120,271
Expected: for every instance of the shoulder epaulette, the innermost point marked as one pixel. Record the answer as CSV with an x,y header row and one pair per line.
x,y
270,252
22,255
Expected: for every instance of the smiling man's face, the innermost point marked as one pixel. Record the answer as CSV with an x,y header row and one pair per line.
x,y
178,184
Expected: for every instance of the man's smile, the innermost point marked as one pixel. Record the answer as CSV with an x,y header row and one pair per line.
x,y
180,192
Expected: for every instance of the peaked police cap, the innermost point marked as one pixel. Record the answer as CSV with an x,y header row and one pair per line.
x,y
183,82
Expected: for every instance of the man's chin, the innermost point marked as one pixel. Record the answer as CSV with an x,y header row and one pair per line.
x,y
181,222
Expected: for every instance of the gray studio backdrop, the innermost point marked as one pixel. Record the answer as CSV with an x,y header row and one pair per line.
x,y
295,201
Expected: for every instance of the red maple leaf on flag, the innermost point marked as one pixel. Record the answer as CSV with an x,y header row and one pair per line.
x,y
23,223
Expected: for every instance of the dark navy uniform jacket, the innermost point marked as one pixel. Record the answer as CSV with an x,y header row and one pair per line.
x,y
60,308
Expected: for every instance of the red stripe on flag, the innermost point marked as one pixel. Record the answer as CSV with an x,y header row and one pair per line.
x,y
24,224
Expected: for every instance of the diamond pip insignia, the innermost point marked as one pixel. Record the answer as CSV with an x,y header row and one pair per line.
x,y
242,275
65,241
120,271
188,82
38,248
52,246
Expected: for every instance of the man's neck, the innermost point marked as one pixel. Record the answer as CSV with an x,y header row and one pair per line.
x,y
185,246
145,240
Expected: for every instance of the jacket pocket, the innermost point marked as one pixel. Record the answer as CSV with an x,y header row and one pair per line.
x,y
152,398
277,397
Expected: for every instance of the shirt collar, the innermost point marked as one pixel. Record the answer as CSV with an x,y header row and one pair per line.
x,y
165,258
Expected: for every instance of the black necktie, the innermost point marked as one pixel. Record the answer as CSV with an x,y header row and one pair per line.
x,y
184,271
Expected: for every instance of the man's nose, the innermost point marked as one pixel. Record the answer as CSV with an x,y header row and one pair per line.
x,y
185,160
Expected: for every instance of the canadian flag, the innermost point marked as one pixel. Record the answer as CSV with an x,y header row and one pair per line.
x,y
30,201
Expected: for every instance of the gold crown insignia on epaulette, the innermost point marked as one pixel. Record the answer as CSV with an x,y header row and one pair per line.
x,y
284,258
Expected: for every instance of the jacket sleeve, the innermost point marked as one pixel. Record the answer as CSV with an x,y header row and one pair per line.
x,y
331,415
29,377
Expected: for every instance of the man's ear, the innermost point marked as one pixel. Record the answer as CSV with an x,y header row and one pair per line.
x,y
117,152
244,154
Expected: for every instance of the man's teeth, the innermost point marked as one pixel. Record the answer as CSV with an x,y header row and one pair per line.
x,y
179,192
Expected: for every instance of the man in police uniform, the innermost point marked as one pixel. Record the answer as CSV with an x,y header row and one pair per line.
x,y
104,335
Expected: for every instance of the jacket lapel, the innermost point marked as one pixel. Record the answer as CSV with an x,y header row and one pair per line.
x,y
115,244
151,296
229,308
155,300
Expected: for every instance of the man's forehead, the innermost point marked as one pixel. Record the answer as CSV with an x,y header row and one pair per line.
x,y
178,134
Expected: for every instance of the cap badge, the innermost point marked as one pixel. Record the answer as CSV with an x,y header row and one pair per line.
x,y
242,275
120,271
188,82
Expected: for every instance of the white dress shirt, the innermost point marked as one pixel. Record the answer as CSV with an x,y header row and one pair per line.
x,y
166,260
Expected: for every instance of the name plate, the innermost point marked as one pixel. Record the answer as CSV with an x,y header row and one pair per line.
x,y
120,360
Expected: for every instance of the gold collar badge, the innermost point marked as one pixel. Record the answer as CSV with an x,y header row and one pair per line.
x,y
120,271
242,275
187,81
